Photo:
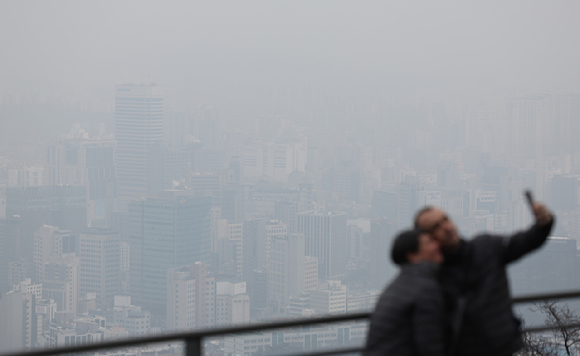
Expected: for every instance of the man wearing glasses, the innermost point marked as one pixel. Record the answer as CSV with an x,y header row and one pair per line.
x,y
475,284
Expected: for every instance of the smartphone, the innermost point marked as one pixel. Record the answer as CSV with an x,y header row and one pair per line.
x,y
529,199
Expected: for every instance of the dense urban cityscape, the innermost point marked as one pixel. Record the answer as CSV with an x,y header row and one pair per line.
x,y
141,210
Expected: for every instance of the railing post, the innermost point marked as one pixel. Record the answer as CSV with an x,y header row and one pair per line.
x,y
193,347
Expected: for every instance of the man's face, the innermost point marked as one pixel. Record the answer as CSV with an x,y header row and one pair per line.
x,y
437,223
428,250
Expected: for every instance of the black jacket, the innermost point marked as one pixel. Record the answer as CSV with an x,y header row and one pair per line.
x,y
477,273
409,316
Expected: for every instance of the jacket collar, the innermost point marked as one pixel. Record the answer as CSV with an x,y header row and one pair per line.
x,y
421,268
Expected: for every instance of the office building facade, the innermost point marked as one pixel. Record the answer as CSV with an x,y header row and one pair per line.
x,y
138,125
191,294
100,264
326,238
167,231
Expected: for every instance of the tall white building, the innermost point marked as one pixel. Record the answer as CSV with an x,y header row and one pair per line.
x,y
50,242
190,297
138,124
228,246
310,273
100,264
125,251
232,304
274,230
290,272
18,329
125,266
325,238
60,282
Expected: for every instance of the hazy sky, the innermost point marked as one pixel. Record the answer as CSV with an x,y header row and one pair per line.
x,y
523,44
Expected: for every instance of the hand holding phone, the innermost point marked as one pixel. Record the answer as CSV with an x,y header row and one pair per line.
x,y
540,212
530,199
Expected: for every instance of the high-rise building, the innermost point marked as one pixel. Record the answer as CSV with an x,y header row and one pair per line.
x,y
50,242
138,124
27,287
191,294
254,247
326,239
304,200
565,124
407,201
259,292
62,206
19,271
26,177
274,230
125,267
228,247
167,231
232,304
286,212
169,167
529,119
87,163
289,271
100,264
381,237
310,273
125,256
18,325
10,242
60,282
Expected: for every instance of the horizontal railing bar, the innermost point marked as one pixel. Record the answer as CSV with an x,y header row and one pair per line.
x,y
536,329
257,327
197,334
546,296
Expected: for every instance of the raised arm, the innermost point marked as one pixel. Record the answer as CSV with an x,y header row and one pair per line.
x,y
526,241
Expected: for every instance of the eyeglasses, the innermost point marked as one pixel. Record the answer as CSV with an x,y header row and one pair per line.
x,y
438,224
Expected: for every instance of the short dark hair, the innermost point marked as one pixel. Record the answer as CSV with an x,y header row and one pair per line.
x,y
406,242
420,213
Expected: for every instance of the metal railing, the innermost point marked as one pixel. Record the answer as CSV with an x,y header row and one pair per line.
x,y
193,340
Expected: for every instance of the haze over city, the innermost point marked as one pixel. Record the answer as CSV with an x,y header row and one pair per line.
x,y
256,159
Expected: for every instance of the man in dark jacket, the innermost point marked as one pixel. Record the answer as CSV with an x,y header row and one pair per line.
x,y
475,284
410,314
